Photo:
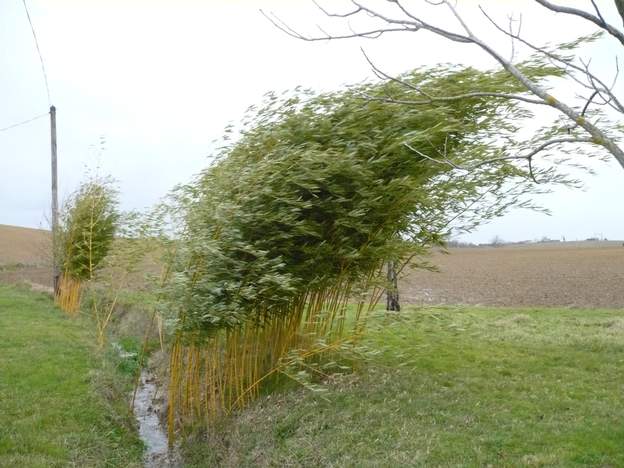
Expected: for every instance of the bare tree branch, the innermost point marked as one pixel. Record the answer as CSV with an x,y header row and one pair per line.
x,y
619,4
598,135
457,97
372,34
413,23
557,141
589,102
585,15
337,15
418,23
593,79
430,99
528,156
598,12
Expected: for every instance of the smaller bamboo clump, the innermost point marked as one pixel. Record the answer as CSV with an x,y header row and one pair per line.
x,y
86,232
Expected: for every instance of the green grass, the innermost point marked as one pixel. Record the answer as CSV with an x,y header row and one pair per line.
x,y
450,387
52,406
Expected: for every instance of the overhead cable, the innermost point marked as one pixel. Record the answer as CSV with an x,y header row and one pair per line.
x,y
23,122
45,75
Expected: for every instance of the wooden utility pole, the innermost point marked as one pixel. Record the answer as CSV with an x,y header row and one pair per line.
x,y
55,260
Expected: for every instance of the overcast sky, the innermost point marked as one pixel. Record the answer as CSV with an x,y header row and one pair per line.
x,y
143,88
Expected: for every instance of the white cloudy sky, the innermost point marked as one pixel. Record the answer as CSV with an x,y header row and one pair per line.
x,y
157,81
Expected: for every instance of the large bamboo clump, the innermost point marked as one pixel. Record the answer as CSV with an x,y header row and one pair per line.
x,y
295,220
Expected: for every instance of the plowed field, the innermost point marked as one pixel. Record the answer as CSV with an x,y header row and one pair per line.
x,y
24,255
574,274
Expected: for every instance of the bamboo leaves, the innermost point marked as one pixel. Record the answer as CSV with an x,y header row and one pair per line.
x,y
320,184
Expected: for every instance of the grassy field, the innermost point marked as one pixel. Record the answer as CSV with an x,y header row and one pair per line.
x,y
446,386
51,414
451,387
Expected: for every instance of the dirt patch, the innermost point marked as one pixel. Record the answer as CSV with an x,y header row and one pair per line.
x,y
574,274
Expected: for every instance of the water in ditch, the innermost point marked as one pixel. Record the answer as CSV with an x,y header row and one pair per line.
x,y
151,431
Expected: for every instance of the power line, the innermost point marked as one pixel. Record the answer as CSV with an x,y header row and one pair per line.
x,y
45,75
24,122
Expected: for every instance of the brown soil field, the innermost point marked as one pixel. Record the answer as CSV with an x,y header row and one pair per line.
x,y
570,274
22,245
23,255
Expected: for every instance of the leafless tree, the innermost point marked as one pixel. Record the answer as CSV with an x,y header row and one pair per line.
x,y
581,127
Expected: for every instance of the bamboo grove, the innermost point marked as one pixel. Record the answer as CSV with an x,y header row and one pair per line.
x,y
282,241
